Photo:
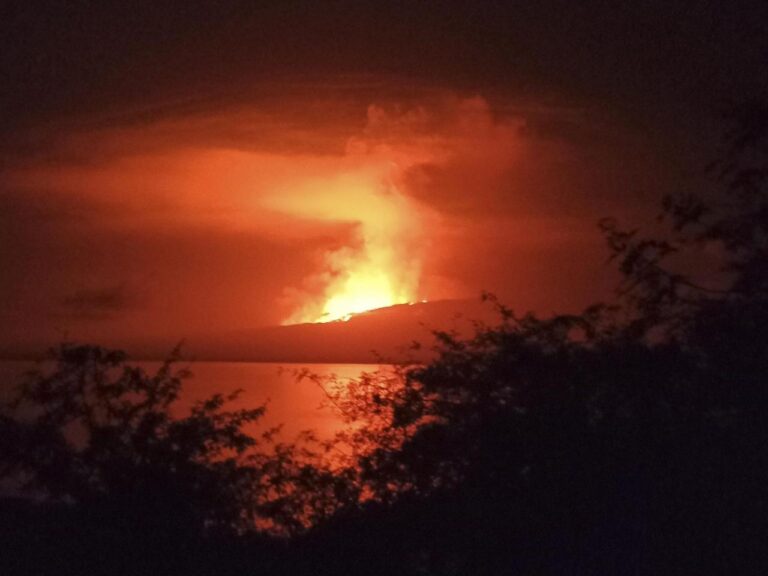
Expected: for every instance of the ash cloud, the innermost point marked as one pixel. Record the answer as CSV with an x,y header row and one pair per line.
x,y
97,303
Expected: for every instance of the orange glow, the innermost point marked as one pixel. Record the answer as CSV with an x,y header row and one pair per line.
x,y
300,218
365,288
380,264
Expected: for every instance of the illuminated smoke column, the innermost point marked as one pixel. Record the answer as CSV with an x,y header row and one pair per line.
x,y
373,187
382,263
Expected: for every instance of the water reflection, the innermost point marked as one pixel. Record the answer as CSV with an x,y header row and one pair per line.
x,y
296,404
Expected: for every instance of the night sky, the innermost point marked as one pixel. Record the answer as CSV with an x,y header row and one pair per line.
x,y
168,170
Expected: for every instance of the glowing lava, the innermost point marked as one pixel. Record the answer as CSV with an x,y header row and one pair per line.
x,y
380,263
362,290
374,274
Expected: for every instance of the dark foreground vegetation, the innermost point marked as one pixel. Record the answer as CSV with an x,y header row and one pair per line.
x,y
630,439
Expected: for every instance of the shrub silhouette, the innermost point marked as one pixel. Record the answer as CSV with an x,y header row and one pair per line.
x,y
629,439
100,433
632,438
98,441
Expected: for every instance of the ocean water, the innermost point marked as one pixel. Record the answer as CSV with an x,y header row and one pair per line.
x,y
295,404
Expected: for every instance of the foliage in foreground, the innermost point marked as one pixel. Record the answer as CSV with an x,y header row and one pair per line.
x,y
95,432
631,438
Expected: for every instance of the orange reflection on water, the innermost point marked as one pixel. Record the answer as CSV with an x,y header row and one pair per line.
x,y
296,404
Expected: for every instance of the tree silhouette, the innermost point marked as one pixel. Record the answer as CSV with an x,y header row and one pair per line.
x,y
101,433
100,442
630,438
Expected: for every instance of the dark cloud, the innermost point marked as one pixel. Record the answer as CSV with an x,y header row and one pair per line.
x,y
60,59
97,303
